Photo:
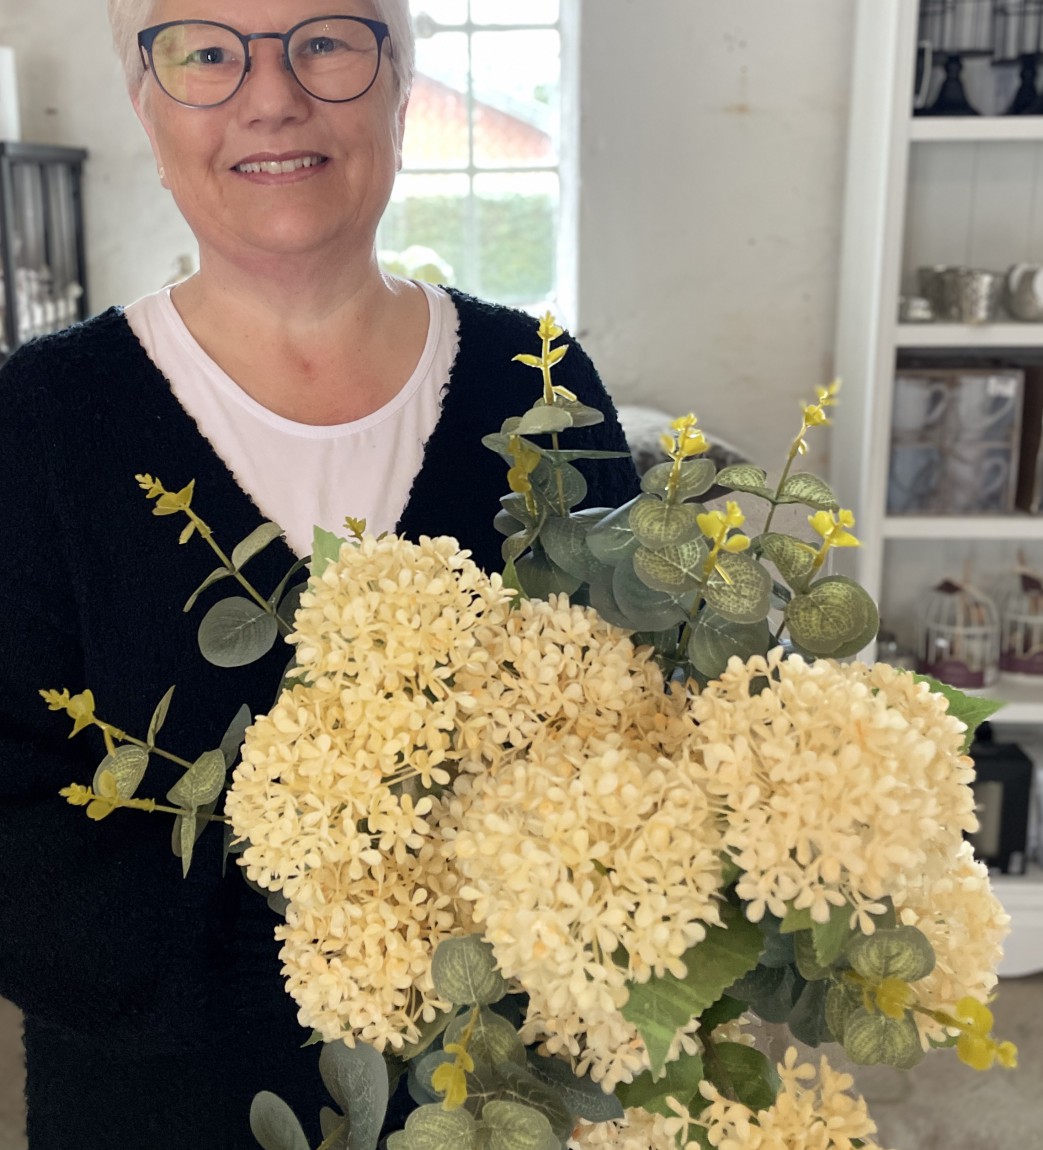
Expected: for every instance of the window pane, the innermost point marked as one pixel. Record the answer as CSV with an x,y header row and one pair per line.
x,y
437,119
429,212
516,80
517,219
438,11
515,11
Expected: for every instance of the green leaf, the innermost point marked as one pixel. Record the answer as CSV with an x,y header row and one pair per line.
x,y
516,1084
493,1040
201,783
611,540
581,1096
514,504
807,1020
512,1126
357,1079
543,421
644,608
725,1009
745,1071
329,1122
770,991
255,543
836,618
159,717
559,488
429,1031
843,999
514,546
676,570
582,416
291,601
657,524
573,454
659,1007
433,1128
214,577
743,592
902,953
714,640
236,632
541,577
277,594
603,600
795,920
871,1038
745,477
971,710
325,549
778,946
794,559
274,1124
511,580
679,1080
695,479
232,739
831,938
807,961
464,972
188,832
564,538
803,487
127,765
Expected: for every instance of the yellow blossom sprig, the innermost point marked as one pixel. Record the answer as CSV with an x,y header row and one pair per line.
x,y
813,415
686,441
525,459
549,331
720,527
174,502
107,798
80,708
356,528
834,528
450,1079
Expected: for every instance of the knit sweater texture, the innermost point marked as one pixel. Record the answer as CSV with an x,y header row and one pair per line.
x,y
154,1007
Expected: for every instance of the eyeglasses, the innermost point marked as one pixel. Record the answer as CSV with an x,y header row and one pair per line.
x,y
201,64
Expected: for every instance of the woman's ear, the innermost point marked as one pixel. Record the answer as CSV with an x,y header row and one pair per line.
x,y
139,101
401,128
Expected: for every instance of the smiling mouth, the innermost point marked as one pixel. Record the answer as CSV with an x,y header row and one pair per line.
x,y
281,167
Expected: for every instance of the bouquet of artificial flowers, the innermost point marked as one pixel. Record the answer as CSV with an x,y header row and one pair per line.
x,y
548,842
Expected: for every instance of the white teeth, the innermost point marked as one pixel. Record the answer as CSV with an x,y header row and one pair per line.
x,y
280,167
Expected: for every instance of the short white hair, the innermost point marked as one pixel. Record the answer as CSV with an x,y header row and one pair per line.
x,y
128,17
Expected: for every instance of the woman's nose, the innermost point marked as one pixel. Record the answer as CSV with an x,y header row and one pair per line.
x,y
270,88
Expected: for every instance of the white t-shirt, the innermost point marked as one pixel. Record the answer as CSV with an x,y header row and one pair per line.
x,y
300,475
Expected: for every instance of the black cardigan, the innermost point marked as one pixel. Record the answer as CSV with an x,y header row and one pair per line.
x,y
154,1005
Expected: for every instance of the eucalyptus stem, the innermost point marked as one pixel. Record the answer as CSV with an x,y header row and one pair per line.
x,y
123,737
793,452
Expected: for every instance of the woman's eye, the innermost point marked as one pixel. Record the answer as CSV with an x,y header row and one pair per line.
x,y
324,46
206,56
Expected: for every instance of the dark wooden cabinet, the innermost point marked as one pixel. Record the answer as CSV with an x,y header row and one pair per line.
x,y
43,281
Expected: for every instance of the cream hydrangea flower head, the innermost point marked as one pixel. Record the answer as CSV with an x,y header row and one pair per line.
x,y
840,782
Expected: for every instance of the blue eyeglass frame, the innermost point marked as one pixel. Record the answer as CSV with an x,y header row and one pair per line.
x,y
147,37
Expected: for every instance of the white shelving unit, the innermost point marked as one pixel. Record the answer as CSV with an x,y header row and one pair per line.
x,y
925,191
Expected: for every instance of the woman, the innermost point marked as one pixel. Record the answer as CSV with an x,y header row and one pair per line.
x,y
291,381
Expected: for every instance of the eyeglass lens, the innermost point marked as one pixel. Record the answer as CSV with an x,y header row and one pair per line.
x,y
202,64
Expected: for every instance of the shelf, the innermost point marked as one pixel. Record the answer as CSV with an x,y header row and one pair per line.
x,y
1024,699
974,129
1022,898
909,336
975,527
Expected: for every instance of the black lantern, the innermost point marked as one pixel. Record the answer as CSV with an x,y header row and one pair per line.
x,y
1017,28
955,29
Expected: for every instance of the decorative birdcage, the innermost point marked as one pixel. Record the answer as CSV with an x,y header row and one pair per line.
x,y
959,640
1020,602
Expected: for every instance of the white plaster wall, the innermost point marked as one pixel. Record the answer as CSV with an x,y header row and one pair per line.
x,y
711,151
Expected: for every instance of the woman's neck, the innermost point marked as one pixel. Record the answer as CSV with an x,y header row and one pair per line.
x,y
314,349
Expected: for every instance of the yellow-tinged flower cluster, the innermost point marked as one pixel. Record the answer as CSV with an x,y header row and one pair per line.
x,y
841,783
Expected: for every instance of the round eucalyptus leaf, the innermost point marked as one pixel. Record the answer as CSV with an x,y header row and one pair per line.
x,y
603,600
902,952
676,569
835,618
274,1124
159,717
560,488
657,524
516,506
582,1096
745,477
421,1071
843,1000
201,783
127,765
739,589
514,546
255,543
543,421
493,1039
357,1079
235,632
645,608
715,639
871,1038
794,559
432,1127
803,487
517,1084
611,540
564,538
512,1126
695,478
214,577
582,416
540,577
464,972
